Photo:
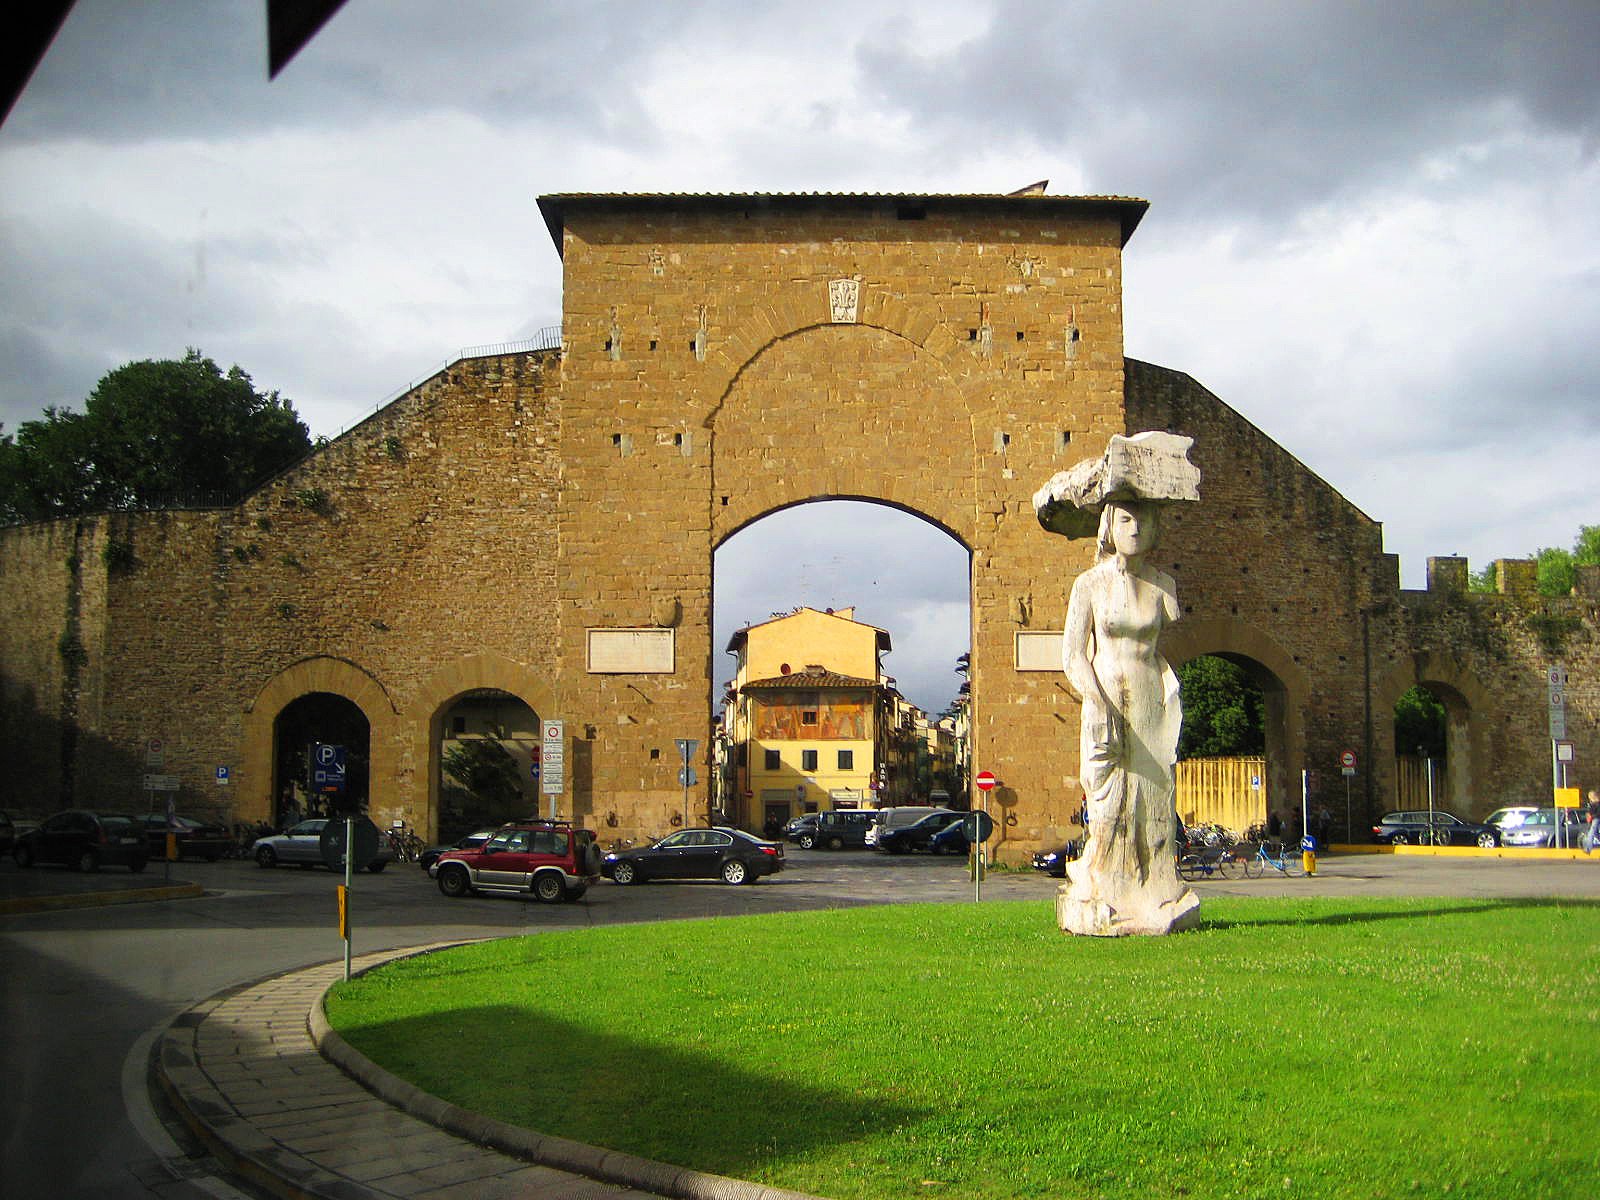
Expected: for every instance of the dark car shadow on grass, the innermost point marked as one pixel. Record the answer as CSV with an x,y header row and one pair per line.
x,y
1407,913
671,1104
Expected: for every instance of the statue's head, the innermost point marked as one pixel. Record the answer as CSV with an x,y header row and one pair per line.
x,y
1129,528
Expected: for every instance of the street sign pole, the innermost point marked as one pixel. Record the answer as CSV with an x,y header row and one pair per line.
x,y
1557,679
686,774
349,879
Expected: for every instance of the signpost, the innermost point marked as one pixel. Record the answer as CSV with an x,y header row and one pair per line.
x,y
686,776
553,762
1347,768
341,844
327,769
1556,678
985,782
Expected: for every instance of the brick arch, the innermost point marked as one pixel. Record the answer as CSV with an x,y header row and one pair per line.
x,y
1285,688
771,448
426,716
1466,703
319,673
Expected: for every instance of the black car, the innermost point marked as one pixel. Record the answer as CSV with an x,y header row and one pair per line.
x,y
471,841
1054,862
802,830
85,840
196,839
1412,827
916,835
718,853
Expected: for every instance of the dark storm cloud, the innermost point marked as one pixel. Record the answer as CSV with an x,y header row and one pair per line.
x,y
1223,111
121,72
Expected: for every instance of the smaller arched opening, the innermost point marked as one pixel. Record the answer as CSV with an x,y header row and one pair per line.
x,y
310,720
486,755
1233,736
1431,732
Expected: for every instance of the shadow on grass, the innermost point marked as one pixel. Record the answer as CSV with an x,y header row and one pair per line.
x,y
673,1104
1396,914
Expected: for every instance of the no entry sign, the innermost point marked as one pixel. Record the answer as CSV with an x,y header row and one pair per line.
x,y
985,781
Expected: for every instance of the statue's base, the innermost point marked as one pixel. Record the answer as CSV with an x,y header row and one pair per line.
x,y
1135,916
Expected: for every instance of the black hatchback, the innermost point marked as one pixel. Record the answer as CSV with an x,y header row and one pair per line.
x,y
85,840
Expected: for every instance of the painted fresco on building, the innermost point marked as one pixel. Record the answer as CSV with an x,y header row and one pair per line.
x,y
837,718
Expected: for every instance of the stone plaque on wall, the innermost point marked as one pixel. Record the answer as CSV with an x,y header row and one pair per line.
x,y
844,295
630,652
1039,651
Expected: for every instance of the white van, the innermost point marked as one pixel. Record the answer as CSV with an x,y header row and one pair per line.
x,y
899,817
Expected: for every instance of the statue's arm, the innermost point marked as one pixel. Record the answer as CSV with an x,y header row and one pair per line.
x,y
1077,643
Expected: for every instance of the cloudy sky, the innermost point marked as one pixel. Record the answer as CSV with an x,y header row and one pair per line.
x,y
1374,227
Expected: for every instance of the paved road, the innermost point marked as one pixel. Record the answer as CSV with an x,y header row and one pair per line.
x,y
85,989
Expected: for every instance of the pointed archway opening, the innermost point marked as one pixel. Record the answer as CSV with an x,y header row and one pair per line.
x,y
1430,734
324,718
1231,747
887,720
486,753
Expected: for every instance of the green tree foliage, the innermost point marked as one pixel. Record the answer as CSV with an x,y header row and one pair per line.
x,y
152,434
1223,712
485,770
1419,720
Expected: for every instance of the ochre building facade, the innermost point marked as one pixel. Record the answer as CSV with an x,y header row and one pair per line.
x,y
542,524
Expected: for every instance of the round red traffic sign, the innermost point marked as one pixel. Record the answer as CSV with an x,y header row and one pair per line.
x,y
985,781
1347,759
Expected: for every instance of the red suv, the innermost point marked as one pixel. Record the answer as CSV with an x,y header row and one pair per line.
x,y
550,859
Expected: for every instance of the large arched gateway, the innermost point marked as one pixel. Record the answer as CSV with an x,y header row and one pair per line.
x,y
539,522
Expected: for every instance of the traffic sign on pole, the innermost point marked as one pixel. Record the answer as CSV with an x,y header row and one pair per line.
x,y
985,781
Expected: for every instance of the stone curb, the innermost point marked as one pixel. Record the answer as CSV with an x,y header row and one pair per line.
x,y
57,903
594,1162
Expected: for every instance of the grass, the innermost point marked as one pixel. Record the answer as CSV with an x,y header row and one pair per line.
x,y
1305,1048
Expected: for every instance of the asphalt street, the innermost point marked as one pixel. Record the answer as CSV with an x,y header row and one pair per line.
x,y
85,989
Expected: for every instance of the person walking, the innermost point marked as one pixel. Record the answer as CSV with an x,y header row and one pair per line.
x,y
1592,834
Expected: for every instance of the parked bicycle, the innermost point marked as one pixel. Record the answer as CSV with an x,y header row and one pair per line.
x,y
404,841
1275,856
1207,861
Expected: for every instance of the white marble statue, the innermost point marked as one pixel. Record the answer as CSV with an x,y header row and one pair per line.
x,y
1126,880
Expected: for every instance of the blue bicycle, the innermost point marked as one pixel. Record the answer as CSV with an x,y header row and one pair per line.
x,y
1274,856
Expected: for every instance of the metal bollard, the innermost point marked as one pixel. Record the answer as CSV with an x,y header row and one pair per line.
x,y
1308,854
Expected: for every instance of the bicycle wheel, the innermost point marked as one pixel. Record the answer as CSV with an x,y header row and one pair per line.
x,y
1294,866
1254,866
1232,866
1188,867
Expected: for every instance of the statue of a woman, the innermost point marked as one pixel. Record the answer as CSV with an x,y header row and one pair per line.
x,y
1126,880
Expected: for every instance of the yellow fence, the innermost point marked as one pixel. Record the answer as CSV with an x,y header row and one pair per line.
x,y
1411,783
1219,789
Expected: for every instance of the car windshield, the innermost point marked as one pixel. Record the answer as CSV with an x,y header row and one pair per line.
x,y
308,828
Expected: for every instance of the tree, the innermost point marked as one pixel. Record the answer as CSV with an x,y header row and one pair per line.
x,y
1419,721
1557,567
1223,712
152,434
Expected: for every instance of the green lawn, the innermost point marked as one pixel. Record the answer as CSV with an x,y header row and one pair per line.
x,y
1287,1048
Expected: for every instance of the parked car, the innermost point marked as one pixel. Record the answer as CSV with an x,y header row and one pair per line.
x,y
802,830
196,839
897,816
8,834
841,827
1054,862
471,841
717,853
86,840
1539,828
1411,828
901,839
550,860
952,839
302,845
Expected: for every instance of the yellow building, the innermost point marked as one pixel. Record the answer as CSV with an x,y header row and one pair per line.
x,y
809,720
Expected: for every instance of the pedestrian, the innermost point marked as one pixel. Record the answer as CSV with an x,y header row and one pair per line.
x,y
1592,834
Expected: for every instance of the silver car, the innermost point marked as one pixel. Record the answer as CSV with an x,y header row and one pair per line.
x,y
302,845
1538,828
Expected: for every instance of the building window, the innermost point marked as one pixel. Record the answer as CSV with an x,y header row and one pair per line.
x,y
808,716
772,760
847,760
808,760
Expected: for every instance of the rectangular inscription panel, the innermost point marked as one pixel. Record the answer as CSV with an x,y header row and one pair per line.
x,y
1039,651
630,652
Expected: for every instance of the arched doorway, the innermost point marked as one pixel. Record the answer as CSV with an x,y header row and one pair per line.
x,y
1233,736
324,718
1430,721
891,723
488,761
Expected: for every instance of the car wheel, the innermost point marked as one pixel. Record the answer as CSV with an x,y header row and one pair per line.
x,y
1487,840
733,871
377,866
836,843
623,873
549,888
22,854
88,861
807,842
265,857
454,881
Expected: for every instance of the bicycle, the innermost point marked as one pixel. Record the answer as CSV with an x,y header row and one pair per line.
x,y
407,845
1282,860
1206,861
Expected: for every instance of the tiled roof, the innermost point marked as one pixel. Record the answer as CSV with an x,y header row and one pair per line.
x,y
810,681
1129,209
